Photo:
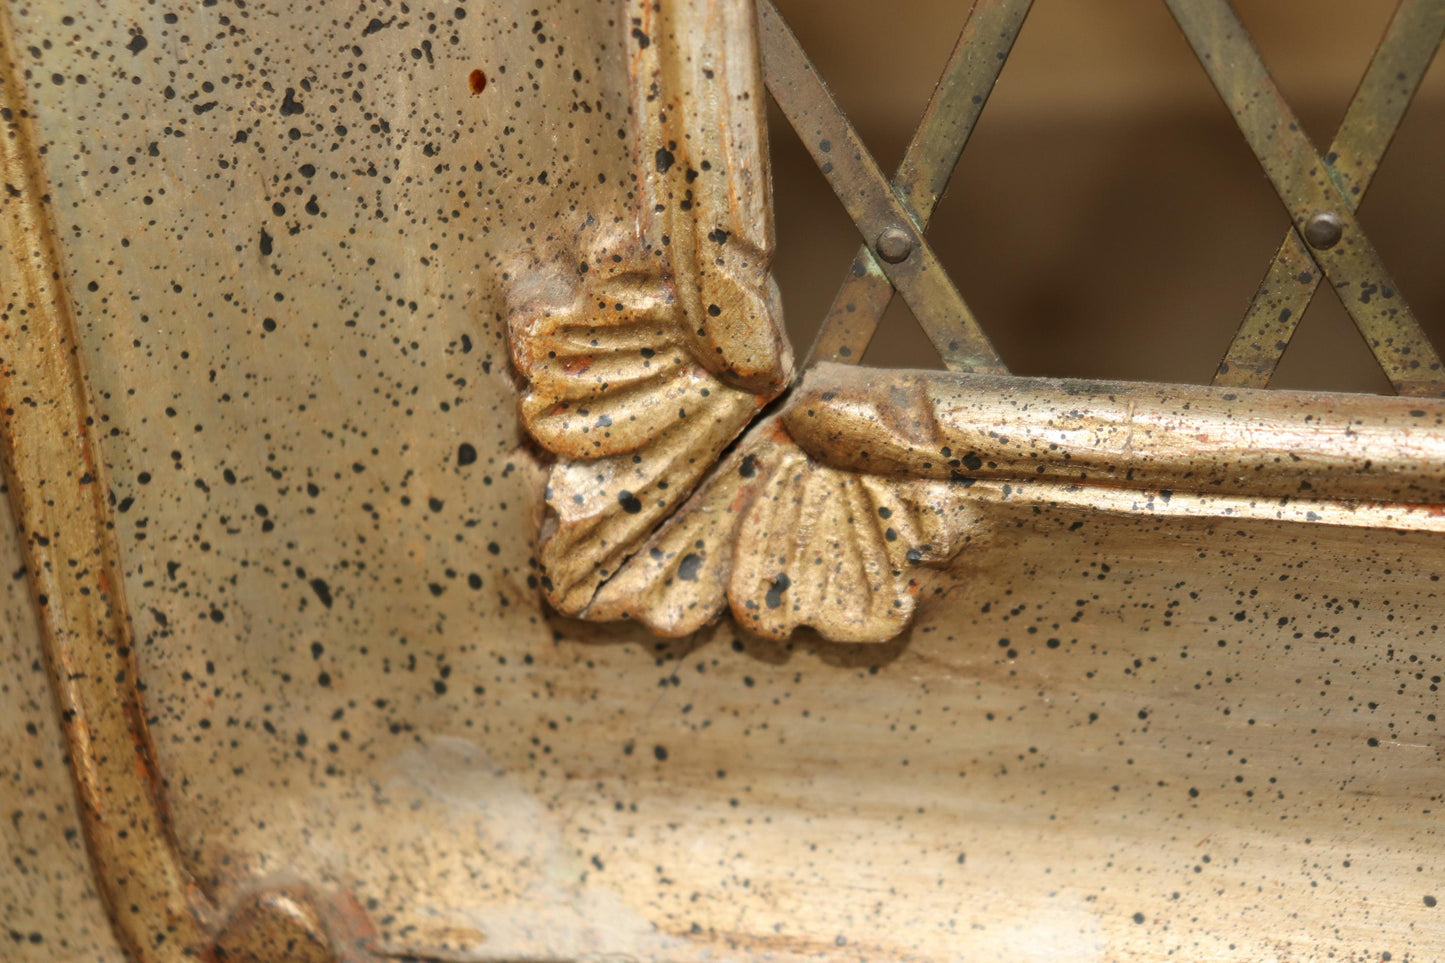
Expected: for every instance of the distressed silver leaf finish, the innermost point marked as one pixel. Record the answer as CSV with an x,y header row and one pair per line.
x,y
785,542
646,354
1119,727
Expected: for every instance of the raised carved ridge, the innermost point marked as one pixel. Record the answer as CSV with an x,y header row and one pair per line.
x,y
647,355
159,910
1241,442
58,493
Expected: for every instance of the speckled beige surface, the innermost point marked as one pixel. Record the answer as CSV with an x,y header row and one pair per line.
x,y
1103,739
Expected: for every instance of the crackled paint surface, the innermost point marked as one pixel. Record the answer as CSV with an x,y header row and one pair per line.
x,y
285,230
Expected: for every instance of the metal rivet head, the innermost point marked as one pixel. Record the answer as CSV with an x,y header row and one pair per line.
x,y
893,245
1324,230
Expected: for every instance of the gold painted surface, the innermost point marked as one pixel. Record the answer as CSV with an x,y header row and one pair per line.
x,y
58,498
1112,738
649,345
49,907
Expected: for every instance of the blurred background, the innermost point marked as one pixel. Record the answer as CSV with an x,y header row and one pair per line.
x,y
1107,219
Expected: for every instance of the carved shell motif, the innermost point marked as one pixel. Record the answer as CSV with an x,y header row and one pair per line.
x,y
648,355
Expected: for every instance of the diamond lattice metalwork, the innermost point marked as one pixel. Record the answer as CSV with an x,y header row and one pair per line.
x,y
1320,193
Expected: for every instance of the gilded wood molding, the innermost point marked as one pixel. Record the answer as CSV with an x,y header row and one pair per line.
x,y
1243,443
58,492
647,354
63,508
648,349
827,514
352,709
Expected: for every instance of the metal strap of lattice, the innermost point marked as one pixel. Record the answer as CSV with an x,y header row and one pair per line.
x,y
1320,193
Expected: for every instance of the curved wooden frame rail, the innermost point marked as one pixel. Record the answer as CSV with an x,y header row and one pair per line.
x,y
65,518
649,358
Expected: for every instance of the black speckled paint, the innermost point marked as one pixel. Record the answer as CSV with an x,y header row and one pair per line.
x,y
288,232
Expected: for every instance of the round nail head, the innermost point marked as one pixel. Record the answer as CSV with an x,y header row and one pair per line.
x,y
1324,231
893,244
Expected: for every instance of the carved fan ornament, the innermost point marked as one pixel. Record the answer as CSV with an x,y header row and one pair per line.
x,y
692,472
649,358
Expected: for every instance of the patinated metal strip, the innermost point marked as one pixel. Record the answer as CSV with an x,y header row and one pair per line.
x,y
880,215
59,496
1379,104
1319,207
978,57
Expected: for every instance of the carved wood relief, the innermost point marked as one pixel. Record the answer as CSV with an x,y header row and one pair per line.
x,y
653,344
270,508
652,347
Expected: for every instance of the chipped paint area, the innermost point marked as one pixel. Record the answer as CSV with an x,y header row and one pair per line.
x,y
563,908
